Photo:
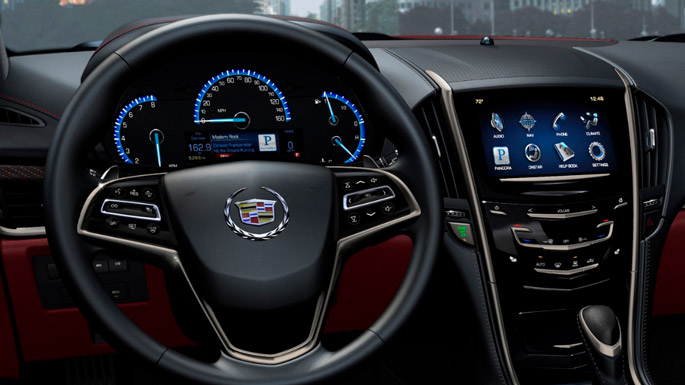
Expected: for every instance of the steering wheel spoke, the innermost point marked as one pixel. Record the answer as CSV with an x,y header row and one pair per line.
x,y
127,214
372,205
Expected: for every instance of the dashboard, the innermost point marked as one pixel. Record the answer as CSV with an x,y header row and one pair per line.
x,y
199,110
549,206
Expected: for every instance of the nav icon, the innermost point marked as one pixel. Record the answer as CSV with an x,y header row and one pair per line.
x,y
501,155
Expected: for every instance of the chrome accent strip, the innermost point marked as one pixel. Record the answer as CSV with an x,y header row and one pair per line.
x,y
607,350
257,236
157,218
437,147
346,207
562,290
569,346
447,102
23,231
556,178
516,230
568,272
172,259
618,206
632,313
562,216
501,213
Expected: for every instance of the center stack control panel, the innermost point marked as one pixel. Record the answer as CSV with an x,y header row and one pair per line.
x,y
562,246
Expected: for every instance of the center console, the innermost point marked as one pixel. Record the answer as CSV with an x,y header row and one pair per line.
x,y
552,170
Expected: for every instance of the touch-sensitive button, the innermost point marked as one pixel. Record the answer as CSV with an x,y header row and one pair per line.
x,y
367,197
129,209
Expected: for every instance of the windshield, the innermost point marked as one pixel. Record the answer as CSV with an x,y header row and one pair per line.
x,y
32,25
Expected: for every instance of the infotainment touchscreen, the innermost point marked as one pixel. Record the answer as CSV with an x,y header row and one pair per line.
x,y
548,134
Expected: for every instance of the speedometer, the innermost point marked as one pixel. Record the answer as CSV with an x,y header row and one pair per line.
x,y
240,99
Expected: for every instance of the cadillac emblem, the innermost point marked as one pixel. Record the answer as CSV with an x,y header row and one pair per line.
x,y
256,212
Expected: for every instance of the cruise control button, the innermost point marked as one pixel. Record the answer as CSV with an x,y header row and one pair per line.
x,y
153,229
149,194
119,192
134,193
131,209
112,222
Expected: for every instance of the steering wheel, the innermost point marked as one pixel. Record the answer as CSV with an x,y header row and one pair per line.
x,y
315,216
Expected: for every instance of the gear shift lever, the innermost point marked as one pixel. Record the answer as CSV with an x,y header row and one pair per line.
x,y
602,337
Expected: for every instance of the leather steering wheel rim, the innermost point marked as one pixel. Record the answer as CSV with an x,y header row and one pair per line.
x,y
86,119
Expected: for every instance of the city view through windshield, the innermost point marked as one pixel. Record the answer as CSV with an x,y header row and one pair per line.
x,y
30,25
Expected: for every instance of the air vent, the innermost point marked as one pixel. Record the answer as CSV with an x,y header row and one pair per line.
x,y
654,128
18,118
431,119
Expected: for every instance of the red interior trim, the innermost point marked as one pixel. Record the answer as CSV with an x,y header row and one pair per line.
x,y
367,285
9,360
50,334
670,281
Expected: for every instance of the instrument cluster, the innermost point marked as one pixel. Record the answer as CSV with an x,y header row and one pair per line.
x,y
194,111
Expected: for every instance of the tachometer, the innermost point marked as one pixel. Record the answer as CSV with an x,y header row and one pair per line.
x,y
341,126
240,99
137,137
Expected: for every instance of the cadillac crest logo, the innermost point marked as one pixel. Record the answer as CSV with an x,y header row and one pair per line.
x,y
256,212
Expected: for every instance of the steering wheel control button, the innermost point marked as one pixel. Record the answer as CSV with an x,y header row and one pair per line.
x,y
367,197
354,219
348,185
153,229
119,192
463,232
149,194
374,180
112,222
387,208
117,265
128,209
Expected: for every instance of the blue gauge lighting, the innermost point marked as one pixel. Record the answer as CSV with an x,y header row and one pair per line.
x,y
229,73
362,129
120,120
